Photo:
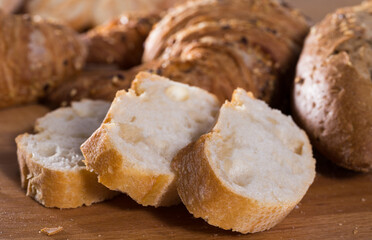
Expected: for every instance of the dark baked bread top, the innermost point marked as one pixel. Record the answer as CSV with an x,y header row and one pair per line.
x,y
333,87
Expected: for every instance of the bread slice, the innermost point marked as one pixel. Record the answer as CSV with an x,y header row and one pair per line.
x,y
50,161
144,129
250,171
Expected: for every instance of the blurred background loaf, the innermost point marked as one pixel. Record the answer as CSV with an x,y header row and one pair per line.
x,y
81,14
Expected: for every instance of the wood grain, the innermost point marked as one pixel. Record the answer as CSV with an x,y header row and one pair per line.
x,y
337,206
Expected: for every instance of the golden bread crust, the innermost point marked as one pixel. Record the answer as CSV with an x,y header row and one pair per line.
x,y
206,196
55,188
117,173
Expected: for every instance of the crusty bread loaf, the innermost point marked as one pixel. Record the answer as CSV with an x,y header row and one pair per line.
x,y
332,97
36,55
143,130
250,171
50,161
219,45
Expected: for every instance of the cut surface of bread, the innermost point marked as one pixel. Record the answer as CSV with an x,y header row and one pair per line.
x,y
250,171
50,161
143,130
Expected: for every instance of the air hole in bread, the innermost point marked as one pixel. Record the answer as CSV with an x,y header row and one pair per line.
x,y
48,150
298,149
138,91
69,117
177,93
242,179
130,133
272,120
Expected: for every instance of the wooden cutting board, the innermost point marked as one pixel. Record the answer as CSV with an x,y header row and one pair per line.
x,y
337,206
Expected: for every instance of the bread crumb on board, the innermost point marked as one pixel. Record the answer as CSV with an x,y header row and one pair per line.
x,y
51,231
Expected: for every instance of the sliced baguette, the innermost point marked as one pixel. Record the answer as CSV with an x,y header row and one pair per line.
x,y
50,161
145,127
250,171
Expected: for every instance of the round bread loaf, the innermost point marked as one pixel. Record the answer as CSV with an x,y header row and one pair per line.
x,y
332,97
35,55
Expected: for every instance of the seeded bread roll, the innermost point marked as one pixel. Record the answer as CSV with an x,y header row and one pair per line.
x,y
143,130
50,161
332,97
219,45
250,171
31,61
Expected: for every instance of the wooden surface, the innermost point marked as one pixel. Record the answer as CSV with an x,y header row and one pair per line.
x,y
337,206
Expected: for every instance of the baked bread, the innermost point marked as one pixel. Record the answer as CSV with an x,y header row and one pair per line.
x,y
81,14
143,130
76,14
332,97
94,82
249,43
120,41
50,161
31,61
10,6
268,15
106,9
250,171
